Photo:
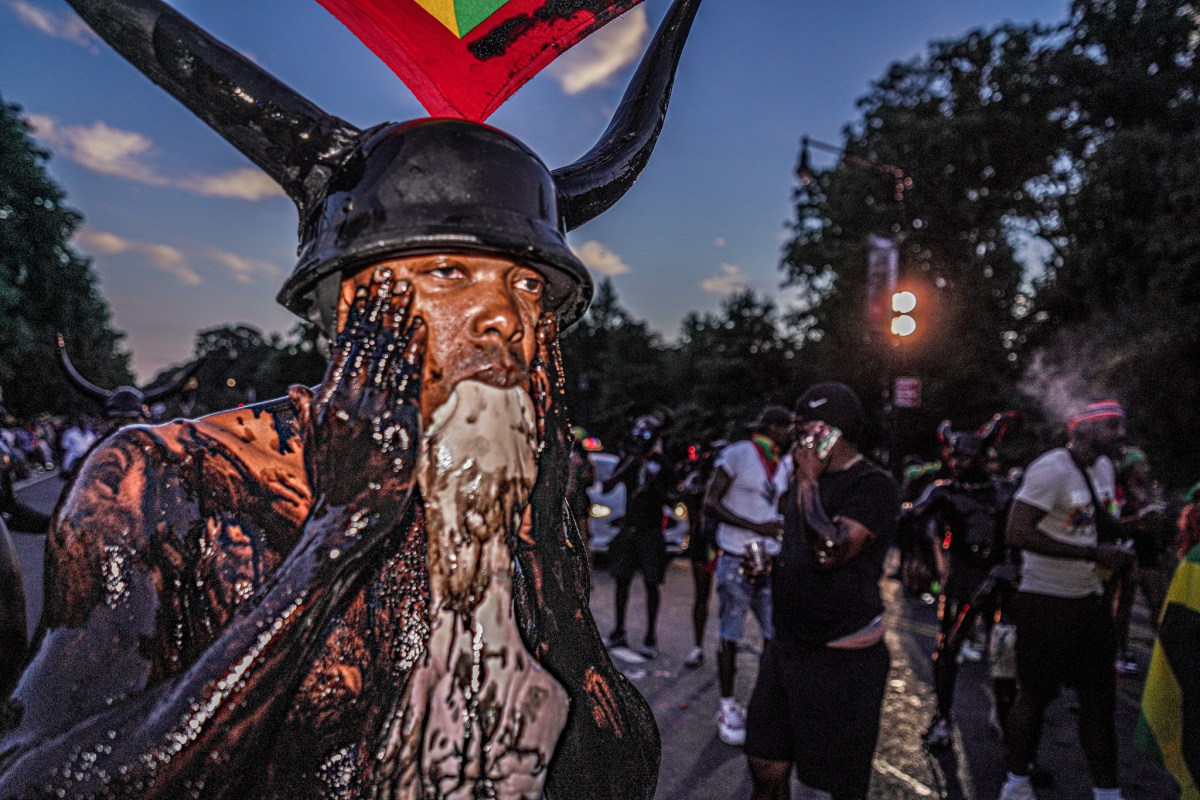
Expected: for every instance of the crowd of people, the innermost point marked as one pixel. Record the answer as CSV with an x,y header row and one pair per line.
x,y
1034,569
370,588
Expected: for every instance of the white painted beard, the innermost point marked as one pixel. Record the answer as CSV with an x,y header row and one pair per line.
x,y
480,717
479,464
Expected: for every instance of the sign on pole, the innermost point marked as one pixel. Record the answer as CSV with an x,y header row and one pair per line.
x,y
883,266
906,392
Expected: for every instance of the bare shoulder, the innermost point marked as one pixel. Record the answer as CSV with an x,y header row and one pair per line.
x,y
146,488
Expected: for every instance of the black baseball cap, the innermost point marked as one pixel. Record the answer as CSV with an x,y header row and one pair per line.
x,y
834,403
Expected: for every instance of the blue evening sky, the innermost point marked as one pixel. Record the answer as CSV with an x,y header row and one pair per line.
x,y
185,235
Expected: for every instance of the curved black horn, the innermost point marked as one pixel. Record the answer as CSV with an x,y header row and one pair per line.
x,y
593,183
177,384
81,383
291,139
992,431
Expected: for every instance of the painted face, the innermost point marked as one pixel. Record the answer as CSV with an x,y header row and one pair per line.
x,y
481,312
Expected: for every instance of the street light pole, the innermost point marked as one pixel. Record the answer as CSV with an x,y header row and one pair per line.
x,y
804,171
902,302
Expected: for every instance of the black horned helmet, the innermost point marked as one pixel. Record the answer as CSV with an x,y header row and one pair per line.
x,y
970,444
430,185
124,402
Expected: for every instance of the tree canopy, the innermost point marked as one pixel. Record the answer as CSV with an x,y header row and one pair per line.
x,y
1049,228
46,287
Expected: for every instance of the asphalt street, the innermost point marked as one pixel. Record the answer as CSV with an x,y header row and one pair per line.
x,y
696,764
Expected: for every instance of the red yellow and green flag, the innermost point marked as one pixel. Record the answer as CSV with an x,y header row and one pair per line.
x,y
1169,726
463,58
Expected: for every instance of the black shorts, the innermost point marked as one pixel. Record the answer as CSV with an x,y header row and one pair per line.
x,y
1064,642
633,551
819,709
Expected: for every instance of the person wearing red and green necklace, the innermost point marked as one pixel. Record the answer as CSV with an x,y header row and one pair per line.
x,y
744,499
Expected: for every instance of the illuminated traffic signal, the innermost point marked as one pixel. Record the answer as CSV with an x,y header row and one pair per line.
x,y
903,304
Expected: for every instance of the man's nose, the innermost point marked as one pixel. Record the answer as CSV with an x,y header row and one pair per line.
x,y
496,314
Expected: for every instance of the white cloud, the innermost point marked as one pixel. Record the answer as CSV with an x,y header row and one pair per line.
x,y
719,241
157,256
595,60
600,259
246,183
65,25
175,261
102,149
244,268
731,280
129,155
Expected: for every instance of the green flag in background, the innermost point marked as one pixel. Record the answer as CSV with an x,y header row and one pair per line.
x,y
1169,726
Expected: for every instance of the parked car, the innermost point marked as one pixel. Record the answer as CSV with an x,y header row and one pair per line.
x,y
608,508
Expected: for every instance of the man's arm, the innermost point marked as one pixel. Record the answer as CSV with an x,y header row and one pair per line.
x,y
1022,532
128,733
928,503
834,541
715,507
621,474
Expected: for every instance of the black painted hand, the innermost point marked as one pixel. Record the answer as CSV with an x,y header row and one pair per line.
x,y
363,426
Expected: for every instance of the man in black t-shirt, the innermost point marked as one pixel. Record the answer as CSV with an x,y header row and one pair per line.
x,y
820,685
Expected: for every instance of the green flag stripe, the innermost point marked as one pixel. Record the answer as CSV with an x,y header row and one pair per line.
x,y
1144,740
472,12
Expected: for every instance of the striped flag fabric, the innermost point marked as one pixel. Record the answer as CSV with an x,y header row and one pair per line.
x,y
463,58
1169,726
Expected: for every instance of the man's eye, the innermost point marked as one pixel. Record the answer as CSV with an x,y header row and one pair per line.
x,y
447,272
532,284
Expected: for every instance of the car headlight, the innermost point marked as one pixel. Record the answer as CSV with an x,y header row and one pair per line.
x,y
680,511
597,511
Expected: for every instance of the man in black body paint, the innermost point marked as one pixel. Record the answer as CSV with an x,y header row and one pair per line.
x,y
266,601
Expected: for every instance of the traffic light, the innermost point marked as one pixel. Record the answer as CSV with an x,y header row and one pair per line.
x,y
903,304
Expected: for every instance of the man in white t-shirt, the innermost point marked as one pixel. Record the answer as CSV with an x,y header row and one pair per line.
x,y
1064,629
748,478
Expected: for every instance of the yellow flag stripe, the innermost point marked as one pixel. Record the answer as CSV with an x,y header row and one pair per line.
x,y
1185,586
443,11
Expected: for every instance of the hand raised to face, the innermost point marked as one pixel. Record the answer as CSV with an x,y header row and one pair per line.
x,y
480,311
363,425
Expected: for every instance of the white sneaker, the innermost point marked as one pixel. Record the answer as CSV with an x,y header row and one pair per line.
x,y
969,653
695,657
731,723
1017,791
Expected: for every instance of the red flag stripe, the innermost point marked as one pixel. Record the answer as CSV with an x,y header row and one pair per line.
x,y
470,77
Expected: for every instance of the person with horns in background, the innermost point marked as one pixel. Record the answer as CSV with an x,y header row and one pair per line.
x,y
368,589
125,405
970,509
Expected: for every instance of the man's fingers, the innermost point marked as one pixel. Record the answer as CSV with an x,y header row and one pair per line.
x,y
302,399
344,352
405,374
